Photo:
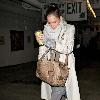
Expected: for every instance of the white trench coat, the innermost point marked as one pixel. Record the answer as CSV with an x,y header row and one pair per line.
x,y
72,88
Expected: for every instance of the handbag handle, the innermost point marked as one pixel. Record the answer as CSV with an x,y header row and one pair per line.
x,y
54,56
45,54
49,49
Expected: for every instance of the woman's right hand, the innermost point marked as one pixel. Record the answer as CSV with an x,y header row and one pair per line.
x,y
40,38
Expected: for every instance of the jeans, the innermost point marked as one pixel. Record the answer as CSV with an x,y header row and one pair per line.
x,y
58,93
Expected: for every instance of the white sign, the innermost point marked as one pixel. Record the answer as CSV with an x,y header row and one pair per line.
x,y
76,11
71,10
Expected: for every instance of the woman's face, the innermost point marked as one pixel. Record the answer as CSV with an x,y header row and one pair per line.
x,y
53,21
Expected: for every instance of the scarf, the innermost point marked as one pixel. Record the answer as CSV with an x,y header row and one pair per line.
x,y
54,35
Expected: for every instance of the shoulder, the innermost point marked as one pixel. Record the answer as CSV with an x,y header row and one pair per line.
x,y
70,31
66,25
46,27
69,26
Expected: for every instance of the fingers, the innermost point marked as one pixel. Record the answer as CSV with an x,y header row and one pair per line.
x,y
39,37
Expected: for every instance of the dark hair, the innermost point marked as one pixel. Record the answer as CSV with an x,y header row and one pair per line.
x,y
53,9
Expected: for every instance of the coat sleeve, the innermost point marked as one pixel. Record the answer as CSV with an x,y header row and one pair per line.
x,y
42,49
66,45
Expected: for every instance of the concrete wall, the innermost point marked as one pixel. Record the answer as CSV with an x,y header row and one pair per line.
x,y
14,17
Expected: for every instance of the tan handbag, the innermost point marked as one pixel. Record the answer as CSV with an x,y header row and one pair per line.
x,y
52,71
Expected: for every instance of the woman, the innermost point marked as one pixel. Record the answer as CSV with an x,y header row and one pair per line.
x,y
59,35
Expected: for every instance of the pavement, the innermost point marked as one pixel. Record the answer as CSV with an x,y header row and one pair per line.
x,y
19,82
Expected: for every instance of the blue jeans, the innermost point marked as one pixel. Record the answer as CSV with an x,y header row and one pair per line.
x,y
58,93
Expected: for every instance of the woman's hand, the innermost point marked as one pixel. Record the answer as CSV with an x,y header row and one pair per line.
x,y
39,38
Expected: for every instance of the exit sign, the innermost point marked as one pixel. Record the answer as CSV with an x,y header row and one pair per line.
x,y
71,10
76,11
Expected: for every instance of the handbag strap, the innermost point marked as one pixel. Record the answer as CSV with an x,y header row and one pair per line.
x,y
45,54
57,53
54,55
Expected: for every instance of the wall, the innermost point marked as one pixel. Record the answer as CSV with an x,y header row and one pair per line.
x,y
14,17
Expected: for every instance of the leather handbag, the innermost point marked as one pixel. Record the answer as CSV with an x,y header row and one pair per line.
x,y
52,71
